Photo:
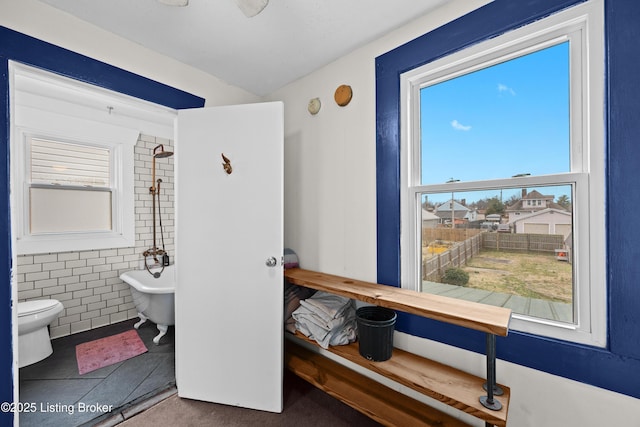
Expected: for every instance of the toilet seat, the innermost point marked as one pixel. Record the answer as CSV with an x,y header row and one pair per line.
x,y
29,308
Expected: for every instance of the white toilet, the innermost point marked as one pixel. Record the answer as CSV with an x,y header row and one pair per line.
x,y
34,317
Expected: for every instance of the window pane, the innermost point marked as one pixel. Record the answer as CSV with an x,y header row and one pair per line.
x,y
507,247
55,162
56,210
507,119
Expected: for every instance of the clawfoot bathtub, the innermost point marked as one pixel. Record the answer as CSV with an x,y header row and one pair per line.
x,y
153,297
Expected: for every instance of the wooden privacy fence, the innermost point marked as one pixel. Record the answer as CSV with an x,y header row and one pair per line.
x,y
523,242
469,243
448,234
433,268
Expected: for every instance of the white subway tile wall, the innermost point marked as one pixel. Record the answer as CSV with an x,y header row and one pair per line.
x,y
87,282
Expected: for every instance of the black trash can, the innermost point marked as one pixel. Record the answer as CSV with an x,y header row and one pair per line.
x,y
375,332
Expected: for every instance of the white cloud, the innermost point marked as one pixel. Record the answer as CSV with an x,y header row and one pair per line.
x,y
459,126
505,88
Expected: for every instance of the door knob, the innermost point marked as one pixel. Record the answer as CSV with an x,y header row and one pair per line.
x,y
271,262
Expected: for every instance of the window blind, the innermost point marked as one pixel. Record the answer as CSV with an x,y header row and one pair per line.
x,y
54,162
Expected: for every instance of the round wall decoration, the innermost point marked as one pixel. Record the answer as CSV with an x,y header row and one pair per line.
x,y
314,106
343,95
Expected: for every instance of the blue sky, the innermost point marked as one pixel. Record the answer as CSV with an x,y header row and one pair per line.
x,y
508,119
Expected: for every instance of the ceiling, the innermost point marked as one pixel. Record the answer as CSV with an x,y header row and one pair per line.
x,y
288,40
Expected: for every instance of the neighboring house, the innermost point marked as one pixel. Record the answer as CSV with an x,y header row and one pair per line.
x,y
459,213
429,220
546,221
530,203
473,215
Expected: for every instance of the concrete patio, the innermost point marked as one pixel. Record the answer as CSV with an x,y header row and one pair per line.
x,y
545,309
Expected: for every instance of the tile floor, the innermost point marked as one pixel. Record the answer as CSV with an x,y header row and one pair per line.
x,y
62,397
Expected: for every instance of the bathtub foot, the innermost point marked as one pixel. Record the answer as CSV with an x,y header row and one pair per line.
x,y
143,319
163,330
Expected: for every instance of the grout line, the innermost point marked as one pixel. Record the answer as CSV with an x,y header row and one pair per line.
x,y
149,375
110,422
148,403
129,411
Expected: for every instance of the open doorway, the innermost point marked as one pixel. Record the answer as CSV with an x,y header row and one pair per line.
x,y
96,301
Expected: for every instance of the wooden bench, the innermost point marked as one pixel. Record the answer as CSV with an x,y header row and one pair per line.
x,y
379,402
443,383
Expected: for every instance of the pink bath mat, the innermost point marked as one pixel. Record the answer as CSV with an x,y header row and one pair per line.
x,y
97,354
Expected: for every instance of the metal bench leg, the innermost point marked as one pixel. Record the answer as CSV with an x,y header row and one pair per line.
x,y
490,386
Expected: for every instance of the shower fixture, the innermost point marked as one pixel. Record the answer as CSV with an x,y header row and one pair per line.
x,y
159,256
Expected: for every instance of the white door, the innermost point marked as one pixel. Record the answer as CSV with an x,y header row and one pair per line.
x,y
229,245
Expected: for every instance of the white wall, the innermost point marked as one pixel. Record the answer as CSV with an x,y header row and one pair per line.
x,y
62,29
330,169
330,221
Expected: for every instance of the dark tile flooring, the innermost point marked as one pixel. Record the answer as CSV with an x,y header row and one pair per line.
x,y
62,397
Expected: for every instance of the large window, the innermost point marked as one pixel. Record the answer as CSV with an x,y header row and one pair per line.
x,y
503,178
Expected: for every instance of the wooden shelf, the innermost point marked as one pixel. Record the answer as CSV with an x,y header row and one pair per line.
x,y
448,385
377,401
438,381
472,315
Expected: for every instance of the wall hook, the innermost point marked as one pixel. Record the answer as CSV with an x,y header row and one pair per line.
x,y
226,165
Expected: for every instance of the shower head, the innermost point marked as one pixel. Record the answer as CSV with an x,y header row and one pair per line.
x,y
160,154
163,154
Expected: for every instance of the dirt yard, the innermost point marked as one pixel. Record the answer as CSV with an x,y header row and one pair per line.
x,y
531,274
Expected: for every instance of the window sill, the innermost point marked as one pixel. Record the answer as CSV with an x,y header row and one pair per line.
x,y
68,243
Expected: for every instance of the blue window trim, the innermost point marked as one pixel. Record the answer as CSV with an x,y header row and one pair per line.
x,y
616,367
28,50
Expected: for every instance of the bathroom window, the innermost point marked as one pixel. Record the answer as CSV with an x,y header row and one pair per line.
x,y
503,177
72,195
70,188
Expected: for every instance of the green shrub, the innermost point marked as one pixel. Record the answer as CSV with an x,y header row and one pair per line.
x,y
455,276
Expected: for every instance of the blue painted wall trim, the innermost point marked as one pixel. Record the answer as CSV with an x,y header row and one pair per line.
x,y
617,367
40,54
34,52
6,356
